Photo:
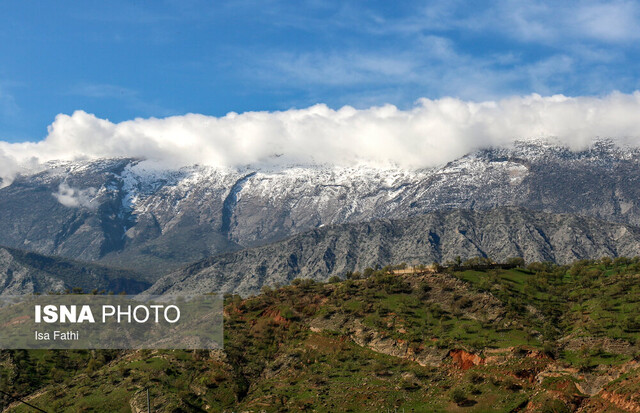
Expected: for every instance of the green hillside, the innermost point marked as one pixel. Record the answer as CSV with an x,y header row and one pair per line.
x,y
541,338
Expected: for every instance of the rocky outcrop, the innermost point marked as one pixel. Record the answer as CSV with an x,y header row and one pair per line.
x,y
606,344
378,342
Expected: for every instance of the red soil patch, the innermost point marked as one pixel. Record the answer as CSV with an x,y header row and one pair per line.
x,y
465,360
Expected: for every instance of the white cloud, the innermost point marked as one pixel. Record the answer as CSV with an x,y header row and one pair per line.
x,y
535,21
333,69
557,23
431,133
74,197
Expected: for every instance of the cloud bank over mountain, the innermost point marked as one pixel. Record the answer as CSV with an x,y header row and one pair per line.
x,y
431,133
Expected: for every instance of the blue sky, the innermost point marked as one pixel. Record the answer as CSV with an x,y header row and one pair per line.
x,y
125,59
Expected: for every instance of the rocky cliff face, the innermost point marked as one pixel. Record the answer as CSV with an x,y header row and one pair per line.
x,y
132,214
27,273
439,236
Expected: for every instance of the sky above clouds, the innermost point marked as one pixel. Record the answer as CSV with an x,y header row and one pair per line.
x,y
443,66
121,60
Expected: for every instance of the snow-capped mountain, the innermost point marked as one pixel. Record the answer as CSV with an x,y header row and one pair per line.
x,y
137,214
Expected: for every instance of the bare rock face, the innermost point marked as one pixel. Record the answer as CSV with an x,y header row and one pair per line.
x,y
439,236
131,214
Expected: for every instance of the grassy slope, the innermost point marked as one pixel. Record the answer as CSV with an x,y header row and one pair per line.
x,y
379,343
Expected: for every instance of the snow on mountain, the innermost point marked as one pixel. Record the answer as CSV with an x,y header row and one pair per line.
x,y
136,214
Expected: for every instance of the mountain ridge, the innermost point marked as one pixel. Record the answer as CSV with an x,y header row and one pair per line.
x,y
25,272
439,236
136,214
